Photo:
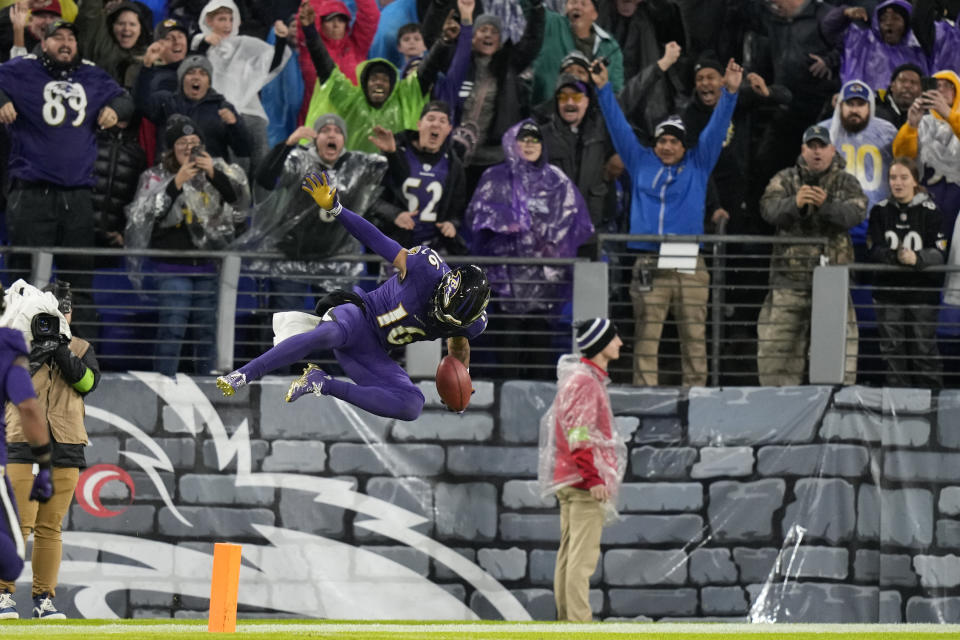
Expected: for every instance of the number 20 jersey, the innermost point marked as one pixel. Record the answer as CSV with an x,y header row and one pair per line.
x,y
398,308
53,138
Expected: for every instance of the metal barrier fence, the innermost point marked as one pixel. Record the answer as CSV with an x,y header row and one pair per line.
x,y
746,345
128,311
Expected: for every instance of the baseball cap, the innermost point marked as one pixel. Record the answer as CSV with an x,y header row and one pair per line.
x,y
51,7
855,89
816,132
530,130
56,25
168,25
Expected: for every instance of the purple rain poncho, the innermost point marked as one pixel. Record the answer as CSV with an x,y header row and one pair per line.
x,y
527,210
867,57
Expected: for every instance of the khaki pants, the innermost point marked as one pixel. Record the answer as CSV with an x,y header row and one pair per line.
x,y
45,521
655,292
581,525
783,338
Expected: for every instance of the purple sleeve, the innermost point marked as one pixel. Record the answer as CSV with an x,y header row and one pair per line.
x,y
369,235
18,385
448,86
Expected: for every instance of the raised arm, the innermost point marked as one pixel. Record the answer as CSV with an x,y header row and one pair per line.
x,y
624,140
326,198
319,55
528,48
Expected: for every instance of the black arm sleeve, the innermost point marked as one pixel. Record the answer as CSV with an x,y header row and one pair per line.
x,y
271,167
4,98
438,57
73,368
222,184
923,23
278,53
123,105
528,48
322,61
433,19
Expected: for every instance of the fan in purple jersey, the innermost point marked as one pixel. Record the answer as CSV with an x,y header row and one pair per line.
x,y
16,387
424,301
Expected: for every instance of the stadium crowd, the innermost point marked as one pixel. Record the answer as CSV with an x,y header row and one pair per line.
x,y
508,128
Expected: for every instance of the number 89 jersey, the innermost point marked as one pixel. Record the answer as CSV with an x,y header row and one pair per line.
x,y
53,138
399,309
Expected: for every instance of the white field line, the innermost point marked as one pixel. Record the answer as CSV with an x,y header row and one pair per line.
x,y
609,628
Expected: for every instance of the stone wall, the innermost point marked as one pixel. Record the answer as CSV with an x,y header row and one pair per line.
x,y
801,504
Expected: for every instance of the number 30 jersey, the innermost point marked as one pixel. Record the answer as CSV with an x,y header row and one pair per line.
x,y
53,138
399,309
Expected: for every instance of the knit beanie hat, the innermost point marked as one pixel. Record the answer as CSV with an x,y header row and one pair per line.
x,y
330,118
594,335
488,18
672,126
193,62
179,125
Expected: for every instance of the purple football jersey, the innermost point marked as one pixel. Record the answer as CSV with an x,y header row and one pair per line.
x,y
398,308
54,138
423,190
16,384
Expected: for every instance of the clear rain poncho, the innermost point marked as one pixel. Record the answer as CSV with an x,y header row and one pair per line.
x,y
277,222
526,209
210,221
241,64
581,403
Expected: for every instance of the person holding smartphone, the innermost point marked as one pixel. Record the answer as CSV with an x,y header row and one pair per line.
x,y
190,200
931,135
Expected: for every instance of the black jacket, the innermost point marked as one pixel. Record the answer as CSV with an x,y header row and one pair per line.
x,y
918,225
786,57
582,155
120,161
642,37
732,171
157,106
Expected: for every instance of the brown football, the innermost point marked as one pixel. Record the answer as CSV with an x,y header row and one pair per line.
x,y
454,384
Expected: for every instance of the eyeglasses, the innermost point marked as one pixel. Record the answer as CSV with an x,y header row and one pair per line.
x,y
570,97
186,144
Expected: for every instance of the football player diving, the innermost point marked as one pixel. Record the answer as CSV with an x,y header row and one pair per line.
x,y
425,300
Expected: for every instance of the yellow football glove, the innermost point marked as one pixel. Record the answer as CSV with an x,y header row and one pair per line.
x,y
317,185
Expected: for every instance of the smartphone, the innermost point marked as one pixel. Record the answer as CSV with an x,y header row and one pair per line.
x,y
928,84
196,152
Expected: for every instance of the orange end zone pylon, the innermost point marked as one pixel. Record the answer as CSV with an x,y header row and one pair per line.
x,y
223,588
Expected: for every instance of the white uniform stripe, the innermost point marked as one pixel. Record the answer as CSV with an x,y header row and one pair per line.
x,y
12,518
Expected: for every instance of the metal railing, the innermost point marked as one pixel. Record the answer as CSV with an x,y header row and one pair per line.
x,y
123,319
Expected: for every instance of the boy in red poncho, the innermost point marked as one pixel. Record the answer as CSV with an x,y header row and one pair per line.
x,y
582,459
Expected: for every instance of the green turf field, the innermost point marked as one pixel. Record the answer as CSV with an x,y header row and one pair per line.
x,y
269,629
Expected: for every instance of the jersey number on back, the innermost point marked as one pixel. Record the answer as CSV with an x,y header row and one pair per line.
x,y
54,95
405,335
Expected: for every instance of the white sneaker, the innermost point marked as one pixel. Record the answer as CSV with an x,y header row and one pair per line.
x,y
43,608
8,607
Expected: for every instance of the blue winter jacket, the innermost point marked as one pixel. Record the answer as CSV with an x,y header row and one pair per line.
x,y
667,199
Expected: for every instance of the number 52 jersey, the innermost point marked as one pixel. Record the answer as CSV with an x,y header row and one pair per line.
x,y
399,309
53,138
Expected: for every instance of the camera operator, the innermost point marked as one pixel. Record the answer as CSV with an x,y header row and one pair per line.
x,y
63,370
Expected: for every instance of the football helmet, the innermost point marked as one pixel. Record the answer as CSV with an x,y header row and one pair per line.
x,y
461,296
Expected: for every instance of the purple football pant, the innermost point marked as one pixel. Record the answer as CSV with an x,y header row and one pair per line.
x,y
382,386
11,542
